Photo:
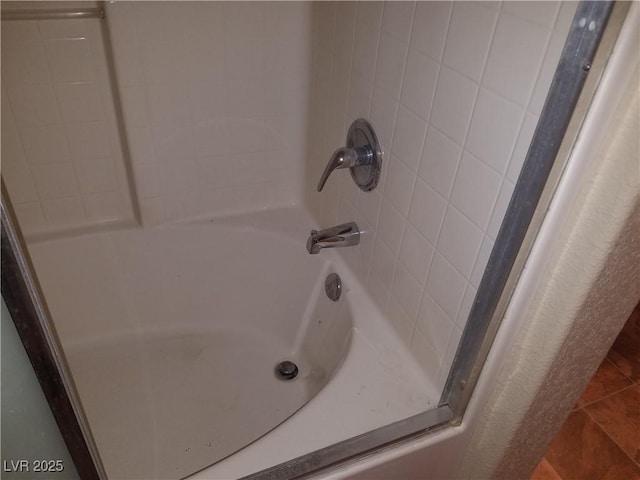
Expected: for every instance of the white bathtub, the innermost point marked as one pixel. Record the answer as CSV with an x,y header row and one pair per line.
x,y
173,333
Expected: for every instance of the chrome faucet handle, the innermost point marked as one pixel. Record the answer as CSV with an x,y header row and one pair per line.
x,y
362,155
344,158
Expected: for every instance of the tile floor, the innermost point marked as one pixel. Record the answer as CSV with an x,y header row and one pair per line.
x,y
601,437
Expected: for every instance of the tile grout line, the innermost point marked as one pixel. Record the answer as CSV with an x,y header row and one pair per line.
x,y
601,427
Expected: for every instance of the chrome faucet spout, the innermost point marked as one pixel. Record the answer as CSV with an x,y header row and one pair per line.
x,y
344,235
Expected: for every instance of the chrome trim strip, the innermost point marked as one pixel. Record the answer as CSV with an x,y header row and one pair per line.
x,y
357,447
555,134
59,14
30,315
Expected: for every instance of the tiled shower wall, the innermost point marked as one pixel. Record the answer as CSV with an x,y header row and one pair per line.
x,y
454,91
62,157
215,103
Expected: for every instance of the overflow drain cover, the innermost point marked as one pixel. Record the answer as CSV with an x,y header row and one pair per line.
x,y
286,370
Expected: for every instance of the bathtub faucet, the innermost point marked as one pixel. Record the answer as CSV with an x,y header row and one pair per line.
x,y
344,235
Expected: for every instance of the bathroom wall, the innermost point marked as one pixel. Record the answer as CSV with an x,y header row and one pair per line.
x,y
454,91
215,103
62,158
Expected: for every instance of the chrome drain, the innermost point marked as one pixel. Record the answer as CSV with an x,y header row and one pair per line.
x,y
286,370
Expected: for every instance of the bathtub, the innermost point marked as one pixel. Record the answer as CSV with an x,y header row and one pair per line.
x,y
173,334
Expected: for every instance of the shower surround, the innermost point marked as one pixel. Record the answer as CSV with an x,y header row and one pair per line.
x,y
229,113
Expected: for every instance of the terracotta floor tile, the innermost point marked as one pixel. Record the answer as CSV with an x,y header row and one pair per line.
x,y
544,471
582,451
607,380
619,416
625,353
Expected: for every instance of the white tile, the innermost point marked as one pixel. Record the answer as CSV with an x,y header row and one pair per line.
x,y
104,206
399,185
383,118
245,97
459,241
45,145
55,181
369,205
453,104
383,263
543,13
20,184
447,361
402,322
15,33
419,83
427,211
475,190
11,147
390,227
178,176
547,71
30,217
392,55
147,180
408,138
140,145
33,105
366,39
431,20
173,143
565,16
97,175
24,62
424,353
407,291
515,57
79,102
246,135
64,211
504,197
468,39
88,141
439,163
481,261
215,171
445,285
379,290
152,210
158,65
370,13
168,105
360,98
365,248
70,60
56,30
134,106
522,146
494,128
434,323
465,307
349,191
415,253
397,19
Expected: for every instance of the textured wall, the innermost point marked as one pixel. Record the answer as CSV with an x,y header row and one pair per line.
x,y
215,102
454,91
591,285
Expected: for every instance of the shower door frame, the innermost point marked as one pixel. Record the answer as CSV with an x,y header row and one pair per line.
x,y
592,35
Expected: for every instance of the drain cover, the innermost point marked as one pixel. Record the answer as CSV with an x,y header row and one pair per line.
x,y
287,370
